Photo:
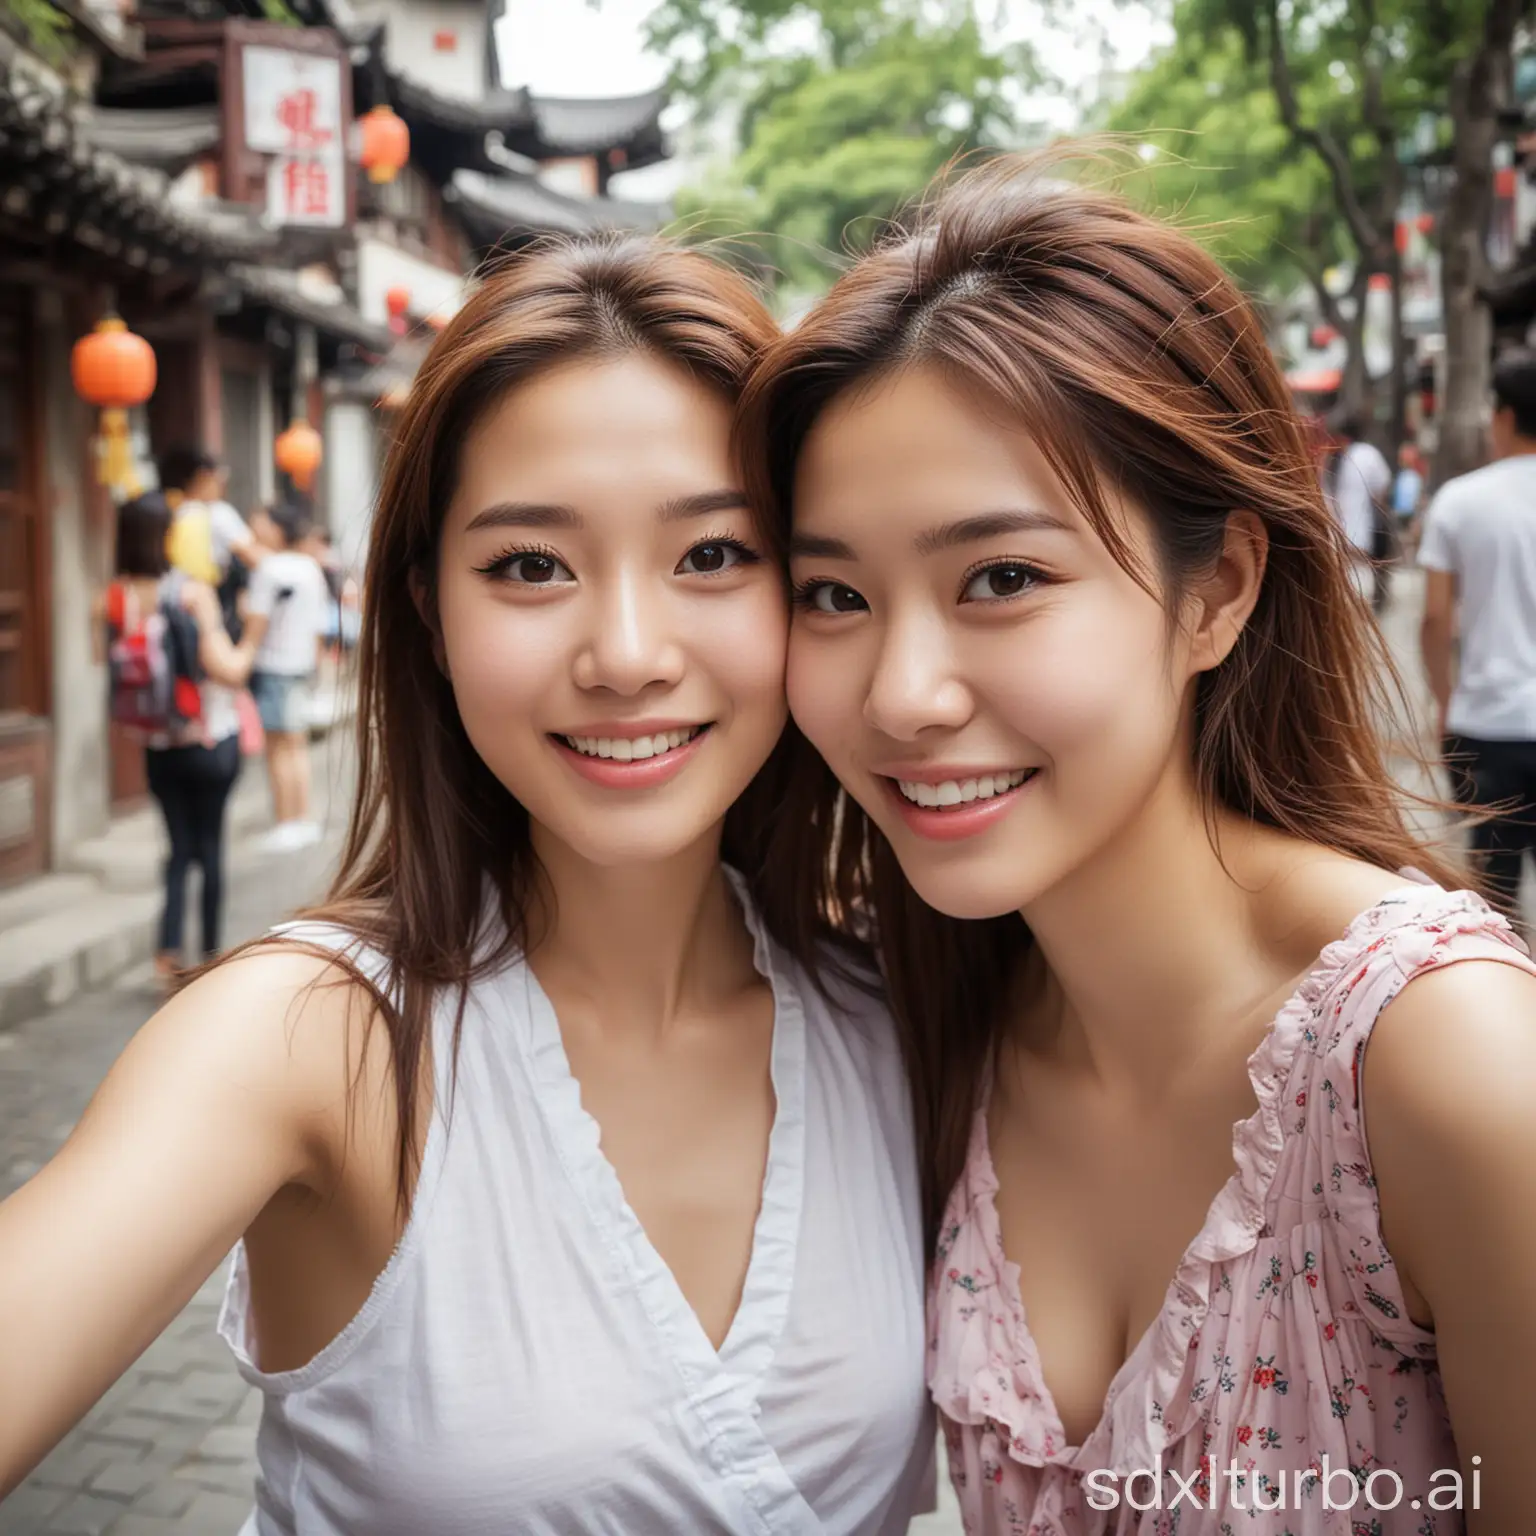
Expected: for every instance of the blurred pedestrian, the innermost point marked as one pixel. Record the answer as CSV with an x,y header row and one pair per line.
x,y
1407,492
286,611
1478,549
209,538
173,673
1357,481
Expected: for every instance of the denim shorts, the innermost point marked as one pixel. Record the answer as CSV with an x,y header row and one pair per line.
x,y
283,702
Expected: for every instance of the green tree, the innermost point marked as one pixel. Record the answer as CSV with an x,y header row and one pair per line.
x,y
846,109
1219,159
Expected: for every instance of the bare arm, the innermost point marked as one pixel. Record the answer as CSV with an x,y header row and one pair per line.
x,y
223,660
225,1097
1450,1087
1437,637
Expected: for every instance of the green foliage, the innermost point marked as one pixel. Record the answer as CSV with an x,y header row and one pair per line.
x,y
45,28
1219,159
846,109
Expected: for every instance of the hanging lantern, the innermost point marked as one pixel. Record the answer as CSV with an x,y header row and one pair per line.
x,y
114,370
386,144
397,301
298,452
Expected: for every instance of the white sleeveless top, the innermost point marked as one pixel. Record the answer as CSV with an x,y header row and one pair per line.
x,y
526,1362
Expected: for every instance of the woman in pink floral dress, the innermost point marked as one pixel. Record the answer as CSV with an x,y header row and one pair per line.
x,y
1227,1081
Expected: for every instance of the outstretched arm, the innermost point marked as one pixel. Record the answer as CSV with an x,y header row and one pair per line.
x,y
225,1097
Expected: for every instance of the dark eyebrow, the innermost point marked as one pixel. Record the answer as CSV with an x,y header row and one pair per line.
x,y
535,514
986,525
525,514
814,546
681,508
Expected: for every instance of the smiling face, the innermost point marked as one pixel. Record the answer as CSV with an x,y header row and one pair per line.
x,y
987,681
613,632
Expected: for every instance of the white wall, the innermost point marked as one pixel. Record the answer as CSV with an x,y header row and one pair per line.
x,y
412,42
351,477
381,266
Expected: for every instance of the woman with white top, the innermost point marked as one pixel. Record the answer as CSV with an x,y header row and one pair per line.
x,y
563,1199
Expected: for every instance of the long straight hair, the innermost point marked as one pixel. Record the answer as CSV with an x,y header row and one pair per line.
x,y
431,828
1137,367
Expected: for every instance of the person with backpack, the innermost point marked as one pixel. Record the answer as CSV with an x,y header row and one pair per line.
x,y
173,674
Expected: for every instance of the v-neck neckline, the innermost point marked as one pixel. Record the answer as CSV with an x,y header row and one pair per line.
x,y
1270,1056
754,1331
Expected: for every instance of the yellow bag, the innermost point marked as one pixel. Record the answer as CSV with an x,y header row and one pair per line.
x,y
189,544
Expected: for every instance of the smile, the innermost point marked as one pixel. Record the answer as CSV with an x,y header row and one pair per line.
x,y
952,792
950,810
632,762
627,749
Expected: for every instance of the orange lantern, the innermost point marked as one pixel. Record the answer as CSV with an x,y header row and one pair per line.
x,y
386,144
397,301
114,370
298,452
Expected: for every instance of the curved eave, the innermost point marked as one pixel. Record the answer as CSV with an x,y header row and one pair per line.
x,y
494,207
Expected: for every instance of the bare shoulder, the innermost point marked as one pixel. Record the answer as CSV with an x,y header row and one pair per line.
x,y
1306,897
279,1030
1453,1055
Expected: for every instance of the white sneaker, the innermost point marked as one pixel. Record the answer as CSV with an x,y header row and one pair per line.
x,y
306,834
283,837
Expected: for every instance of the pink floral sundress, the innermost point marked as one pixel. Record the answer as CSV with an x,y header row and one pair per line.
x,y
1284,1347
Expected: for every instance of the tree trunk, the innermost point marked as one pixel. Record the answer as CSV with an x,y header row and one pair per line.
x,y
1355,386
1480,88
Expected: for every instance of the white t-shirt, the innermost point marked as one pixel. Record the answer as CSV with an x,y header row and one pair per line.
x,y
288,588
1482,528
1359,478
228,529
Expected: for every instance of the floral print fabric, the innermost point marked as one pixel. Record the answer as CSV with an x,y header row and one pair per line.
x,y
1284,1338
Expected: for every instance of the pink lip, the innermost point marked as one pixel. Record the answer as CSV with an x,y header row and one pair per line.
x,y
645,774
952,823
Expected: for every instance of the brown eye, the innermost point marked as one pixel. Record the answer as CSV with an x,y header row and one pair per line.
x,y
714,557
536,569
998,582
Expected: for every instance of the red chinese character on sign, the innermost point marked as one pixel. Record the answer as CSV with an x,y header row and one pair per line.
x,y
307,188
296,113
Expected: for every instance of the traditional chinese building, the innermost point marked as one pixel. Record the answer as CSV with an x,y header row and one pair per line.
x,y
193,167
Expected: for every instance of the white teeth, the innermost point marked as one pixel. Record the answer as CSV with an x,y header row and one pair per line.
x,y
962,791
631,749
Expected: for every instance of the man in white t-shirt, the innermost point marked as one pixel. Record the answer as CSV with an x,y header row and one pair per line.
x,y
193,482
1479,552
285,621
1358,481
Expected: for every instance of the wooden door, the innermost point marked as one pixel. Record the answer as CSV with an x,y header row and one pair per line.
x,y
23,563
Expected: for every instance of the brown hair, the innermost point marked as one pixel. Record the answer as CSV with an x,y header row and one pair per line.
x,y
1139,367
431,826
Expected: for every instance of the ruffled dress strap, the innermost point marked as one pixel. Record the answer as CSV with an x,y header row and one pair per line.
x,y
1406,936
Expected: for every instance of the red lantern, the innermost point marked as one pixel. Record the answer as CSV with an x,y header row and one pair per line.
x,y
397,301
115,370
298,452
386,144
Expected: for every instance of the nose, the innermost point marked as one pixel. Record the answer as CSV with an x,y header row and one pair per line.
x,y
916,686
631,644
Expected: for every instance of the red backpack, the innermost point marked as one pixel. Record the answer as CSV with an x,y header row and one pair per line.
x,y
152,666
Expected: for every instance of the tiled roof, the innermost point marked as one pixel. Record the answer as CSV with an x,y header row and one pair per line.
x,y
282,290
574,125
121,205
166,137
495,206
